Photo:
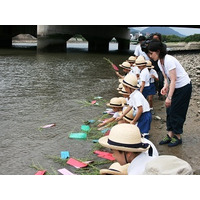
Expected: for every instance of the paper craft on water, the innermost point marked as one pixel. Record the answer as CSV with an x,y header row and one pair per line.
x,y
64,154
64,171
40,172
93,102
49,126
75,163
103,154
78,135
85,127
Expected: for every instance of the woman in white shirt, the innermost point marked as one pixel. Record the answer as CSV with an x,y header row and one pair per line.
x,y
178,91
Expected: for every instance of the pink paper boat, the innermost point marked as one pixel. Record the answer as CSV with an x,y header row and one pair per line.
x,y
75,163
40,172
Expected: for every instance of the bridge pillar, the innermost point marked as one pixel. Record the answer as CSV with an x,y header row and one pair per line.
x,y
51,39
123,44
96,44
5,36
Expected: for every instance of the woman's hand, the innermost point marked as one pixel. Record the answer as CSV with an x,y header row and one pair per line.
x,y
164,90
168,102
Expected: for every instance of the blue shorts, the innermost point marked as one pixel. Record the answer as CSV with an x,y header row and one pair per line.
x,y
144,122
152,89
146,91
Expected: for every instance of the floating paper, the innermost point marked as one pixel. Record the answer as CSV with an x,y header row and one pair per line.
x,y
93,102
65,172
103,154
98,97
78,135
40,172
107,133
91,121
95,141
85,128
64,154
75,163
49,126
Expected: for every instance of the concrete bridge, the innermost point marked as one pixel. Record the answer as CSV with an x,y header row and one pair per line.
x,y
52,38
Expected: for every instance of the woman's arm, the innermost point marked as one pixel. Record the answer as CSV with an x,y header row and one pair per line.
x,y
172,74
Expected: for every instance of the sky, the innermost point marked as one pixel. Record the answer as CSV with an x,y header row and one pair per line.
x,y
184,31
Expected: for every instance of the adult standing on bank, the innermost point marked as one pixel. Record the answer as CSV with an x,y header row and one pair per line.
x,y
178,91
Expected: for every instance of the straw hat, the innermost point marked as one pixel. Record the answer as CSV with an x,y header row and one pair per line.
x,y
131,59
125,65
120,87
129,116
116,169
120,80
167,165
149,64
124,137
123,91
123,100
130,80
140,61
115,102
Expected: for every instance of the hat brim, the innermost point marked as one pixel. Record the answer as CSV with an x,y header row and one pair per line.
x,y
111,172
125,93
126,119
131,86
108,104
104,142
150,67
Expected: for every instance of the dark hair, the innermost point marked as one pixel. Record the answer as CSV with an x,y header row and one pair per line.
x,y
141,38
156,45
159,36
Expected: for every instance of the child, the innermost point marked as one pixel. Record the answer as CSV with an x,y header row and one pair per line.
x,y
126,69
115,169
134,69
137,101
152,90
144,76
116,104
127,147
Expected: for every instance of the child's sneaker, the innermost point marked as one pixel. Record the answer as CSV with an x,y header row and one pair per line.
x,y
165,140
174,142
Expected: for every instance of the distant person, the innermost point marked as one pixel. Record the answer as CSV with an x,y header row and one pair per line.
x,y
138,49
178,92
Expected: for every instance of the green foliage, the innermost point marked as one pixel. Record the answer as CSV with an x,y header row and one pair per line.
x,y
175,38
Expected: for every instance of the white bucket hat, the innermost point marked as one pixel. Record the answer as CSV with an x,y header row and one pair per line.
x,y
149,64
124,137
115,102
130,80
167,165
125,65
116,169
123,100
140,61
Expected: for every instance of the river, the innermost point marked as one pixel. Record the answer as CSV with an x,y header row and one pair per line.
x,y
39,89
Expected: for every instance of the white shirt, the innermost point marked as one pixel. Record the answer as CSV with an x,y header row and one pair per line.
x,y
144,76
135,70
136,99
116,114
170,63
138,164
153,72
138,52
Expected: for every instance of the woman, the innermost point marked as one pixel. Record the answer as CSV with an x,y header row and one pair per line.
x,y
178,91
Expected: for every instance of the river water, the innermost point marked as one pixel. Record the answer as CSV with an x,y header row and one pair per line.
x,y
39,89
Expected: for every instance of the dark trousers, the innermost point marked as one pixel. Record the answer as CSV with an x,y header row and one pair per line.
x,y
176,113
